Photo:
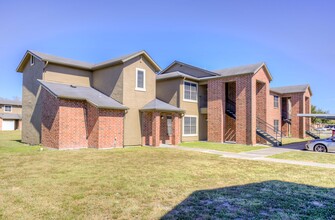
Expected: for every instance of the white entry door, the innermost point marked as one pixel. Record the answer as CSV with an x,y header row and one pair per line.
x,y
8,125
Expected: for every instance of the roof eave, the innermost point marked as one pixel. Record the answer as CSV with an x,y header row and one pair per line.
x,y
20,67
162,110
267,70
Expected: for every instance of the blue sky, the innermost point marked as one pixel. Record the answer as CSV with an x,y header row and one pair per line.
x,y
294,38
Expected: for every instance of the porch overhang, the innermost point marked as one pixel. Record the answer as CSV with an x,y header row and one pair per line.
x,y
157,105
322,116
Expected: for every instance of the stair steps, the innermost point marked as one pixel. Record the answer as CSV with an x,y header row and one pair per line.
x,y
311,134
268,137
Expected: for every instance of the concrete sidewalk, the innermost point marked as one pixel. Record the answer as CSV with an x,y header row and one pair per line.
x,y
258,155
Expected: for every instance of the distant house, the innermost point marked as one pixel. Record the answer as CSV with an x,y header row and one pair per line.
x,y
10,115
129,100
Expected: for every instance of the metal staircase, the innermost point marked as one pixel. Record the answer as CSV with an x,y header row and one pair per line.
x,y
311,134
269,132
231,108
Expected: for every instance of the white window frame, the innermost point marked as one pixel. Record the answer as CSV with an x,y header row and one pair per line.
x,y
32,60
144,86
190,100
274,102
4,108
196,124
274,124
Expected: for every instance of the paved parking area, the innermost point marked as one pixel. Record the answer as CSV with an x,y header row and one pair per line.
x,y
260,155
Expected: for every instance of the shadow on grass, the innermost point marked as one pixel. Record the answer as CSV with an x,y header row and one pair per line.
x,y
265,200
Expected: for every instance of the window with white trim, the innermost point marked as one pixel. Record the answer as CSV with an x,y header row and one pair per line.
x,y
276,101
7,108
276,125
190,91
190,126
140,79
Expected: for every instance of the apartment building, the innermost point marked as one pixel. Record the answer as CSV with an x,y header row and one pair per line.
x,y
130,101
10,115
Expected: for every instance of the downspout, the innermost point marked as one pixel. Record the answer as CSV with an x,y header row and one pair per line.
x,y
45,66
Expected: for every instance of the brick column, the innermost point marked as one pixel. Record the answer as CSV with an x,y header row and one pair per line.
x,y
176,134
261,107
245,111
216,110
156,129
298,123
105,127
308,121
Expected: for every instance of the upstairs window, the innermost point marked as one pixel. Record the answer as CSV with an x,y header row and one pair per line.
x,y
8,108
190,91
140,79
276,101
32,60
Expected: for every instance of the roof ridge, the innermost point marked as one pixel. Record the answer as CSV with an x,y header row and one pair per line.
x,y
245,65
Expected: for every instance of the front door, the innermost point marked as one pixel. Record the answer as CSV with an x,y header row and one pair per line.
x,y
169,127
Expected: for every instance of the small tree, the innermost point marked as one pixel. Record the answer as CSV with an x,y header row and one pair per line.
x,y
316,110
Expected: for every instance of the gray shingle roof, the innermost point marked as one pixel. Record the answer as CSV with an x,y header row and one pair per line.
x,y
10,116
88,94
290,89
62,60
125,58
85,65
199,73
175,74
10,102
158,105
239,70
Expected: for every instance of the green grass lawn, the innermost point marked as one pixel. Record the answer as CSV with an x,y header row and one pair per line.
x,y
286,141
235,148
154,183
307,156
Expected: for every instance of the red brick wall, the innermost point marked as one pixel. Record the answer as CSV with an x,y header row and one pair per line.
x,y
176,129
72,124
275,113
216,110
146,128
298,123
68,124
230,130
246,106
154,128
110,128
50,120
93,126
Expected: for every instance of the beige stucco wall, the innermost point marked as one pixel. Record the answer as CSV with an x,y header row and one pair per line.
x,y
172,92
110,81
169,90
15,109
134,99
31,103
68,75
191,109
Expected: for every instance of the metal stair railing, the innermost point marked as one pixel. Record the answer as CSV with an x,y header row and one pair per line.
x,y
269,129
313,135
231,105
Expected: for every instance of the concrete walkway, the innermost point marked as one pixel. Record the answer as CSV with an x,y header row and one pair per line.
x,y
258,155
